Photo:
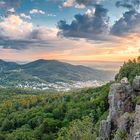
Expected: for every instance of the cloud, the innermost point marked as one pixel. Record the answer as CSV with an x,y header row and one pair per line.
x,y
80,3
88,2
68,3
129,23
51,15
14,27
130,4
15,33
92,25
25,16
18,44
37,11
12,10
43,33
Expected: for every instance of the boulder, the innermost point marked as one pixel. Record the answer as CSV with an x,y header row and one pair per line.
x,y
124,80
136,85
135,132
125,122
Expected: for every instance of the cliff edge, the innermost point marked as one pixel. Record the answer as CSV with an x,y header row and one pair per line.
x,y
123,121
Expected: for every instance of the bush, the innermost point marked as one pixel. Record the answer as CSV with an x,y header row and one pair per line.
x,y
121,135
130,70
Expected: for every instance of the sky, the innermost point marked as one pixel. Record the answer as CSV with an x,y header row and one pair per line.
x,y
97,33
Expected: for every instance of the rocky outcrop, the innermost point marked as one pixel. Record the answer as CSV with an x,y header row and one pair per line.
x,y
105,130
136,85
119,100
135,131
122,116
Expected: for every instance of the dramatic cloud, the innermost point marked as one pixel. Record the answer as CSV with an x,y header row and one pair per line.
x,y
92,25
15,33
37,11
129,23
130,4
18,44
43,33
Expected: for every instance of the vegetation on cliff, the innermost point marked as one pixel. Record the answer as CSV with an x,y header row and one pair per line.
x,y
129,69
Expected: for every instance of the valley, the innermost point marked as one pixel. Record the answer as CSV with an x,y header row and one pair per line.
x,y
51,75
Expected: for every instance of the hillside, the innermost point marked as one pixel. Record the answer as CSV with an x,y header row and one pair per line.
x,y
52,71
110,112
5,66
32,115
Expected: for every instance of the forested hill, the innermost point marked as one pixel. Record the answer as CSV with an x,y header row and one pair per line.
x,y
42,71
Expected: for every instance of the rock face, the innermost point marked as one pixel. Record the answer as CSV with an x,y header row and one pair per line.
x,y
135,132
136,85
122,116
105,130
120,101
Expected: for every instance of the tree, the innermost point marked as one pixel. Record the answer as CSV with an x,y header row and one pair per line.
x,y
78,130
7,125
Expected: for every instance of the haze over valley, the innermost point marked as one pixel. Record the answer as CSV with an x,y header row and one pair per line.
x,y
69,69
51,74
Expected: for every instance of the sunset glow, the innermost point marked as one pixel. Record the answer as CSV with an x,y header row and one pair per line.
x,y
51,31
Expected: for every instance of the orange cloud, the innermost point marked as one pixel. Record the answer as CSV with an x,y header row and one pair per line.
x,y
121,49
14,27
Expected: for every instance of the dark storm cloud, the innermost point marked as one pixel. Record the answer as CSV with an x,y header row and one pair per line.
x,y
14,44
21,44
129,23
130,4
92,26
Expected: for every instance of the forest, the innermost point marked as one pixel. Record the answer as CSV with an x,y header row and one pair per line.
x,y
47,115
38,115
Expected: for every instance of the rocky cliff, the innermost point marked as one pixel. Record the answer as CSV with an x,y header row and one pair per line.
x,y
123,121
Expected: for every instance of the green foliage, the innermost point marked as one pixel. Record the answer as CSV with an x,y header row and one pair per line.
x,y
138,100
34,115
121,135
78,130
129,70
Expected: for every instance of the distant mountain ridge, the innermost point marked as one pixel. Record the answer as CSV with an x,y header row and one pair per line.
x,y
49,71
